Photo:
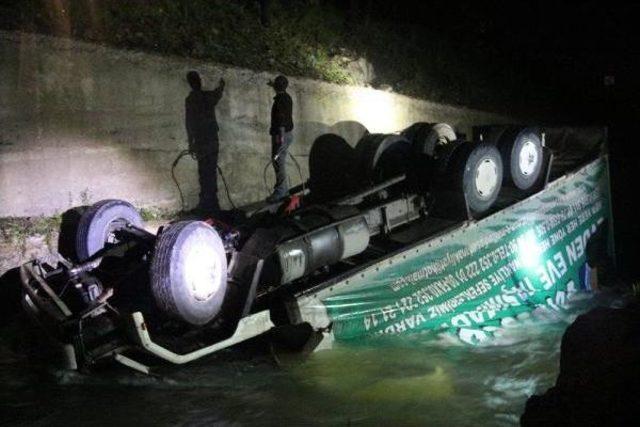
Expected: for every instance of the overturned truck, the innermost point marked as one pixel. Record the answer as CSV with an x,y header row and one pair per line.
x,y
410,232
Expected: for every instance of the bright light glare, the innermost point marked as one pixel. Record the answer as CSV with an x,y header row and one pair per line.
x,y
529,250
202,270
376,110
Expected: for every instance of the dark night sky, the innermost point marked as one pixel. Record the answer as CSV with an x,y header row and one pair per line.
x,y
588,39
563,27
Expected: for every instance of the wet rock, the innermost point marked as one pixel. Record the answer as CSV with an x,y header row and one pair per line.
x,y
599,380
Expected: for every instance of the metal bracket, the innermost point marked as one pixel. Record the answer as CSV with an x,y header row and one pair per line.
x,y
130,363
251,294
58,310
248,327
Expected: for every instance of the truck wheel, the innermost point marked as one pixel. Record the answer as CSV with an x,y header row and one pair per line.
x,y
479,169
99,223
382,157
427,137
189,272
331,173
482,178
417,132
446,155
521,151
428,142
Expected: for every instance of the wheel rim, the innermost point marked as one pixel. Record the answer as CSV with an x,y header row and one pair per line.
x,y
114,226
203,272
486,178
528,158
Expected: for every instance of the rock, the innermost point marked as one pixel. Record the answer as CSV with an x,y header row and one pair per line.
x,y
599,380
17,250
35,246
361,71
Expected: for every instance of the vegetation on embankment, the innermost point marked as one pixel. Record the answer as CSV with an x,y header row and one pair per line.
x,y
318,39
17,229
22,239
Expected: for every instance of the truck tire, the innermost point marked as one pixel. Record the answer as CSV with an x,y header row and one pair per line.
x,y
331,172
417,132
98,224
382,157
70,221
521,151
482,177
445,157
427,137
188,272
476,170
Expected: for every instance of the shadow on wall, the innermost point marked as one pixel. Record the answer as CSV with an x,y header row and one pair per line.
x,y
332,167
350,130
308,131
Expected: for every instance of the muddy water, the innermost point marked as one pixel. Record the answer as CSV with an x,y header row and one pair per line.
x,y
407,381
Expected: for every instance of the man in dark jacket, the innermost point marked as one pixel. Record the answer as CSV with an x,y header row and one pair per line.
x,y
281,137
202,135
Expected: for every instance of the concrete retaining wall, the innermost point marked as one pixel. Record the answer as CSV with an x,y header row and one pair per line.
x,y
81,122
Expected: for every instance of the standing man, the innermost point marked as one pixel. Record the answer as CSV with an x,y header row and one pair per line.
x,y
281,137
202,135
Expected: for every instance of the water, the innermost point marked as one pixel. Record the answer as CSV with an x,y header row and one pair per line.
x,y
407,381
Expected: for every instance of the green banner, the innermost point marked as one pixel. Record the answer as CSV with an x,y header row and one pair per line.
x,y
481,275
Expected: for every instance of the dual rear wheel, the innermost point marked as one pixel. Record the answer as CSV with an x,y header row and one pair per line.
x,y
430,155
476,170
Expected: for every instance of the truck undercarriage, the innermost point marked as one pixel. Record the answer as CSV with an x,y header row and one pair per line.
x,y
195,287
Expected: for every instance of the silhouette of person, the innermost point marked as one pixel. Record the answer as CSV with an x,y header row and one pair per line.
x,y
202,135
281,137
